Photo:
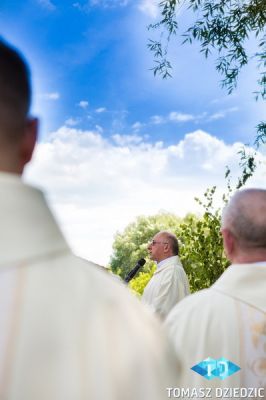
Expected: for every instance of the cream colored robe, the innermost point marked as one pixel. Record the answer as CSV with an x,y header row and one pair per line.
x,y
167,287
68,331
228,320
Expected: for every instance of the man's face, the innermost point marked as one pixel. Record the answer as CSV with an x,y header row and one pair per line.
x,y
157,248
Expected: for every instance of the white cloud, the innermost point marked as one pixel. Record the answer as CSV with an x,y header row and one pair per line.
x,y
109,3
96,186
224,99
100,3
137,125
174,116
222,114
100,110
215,116
180,117
50,96
149,7
78,6
72,121
157,119
83,104
99,128
47,4
232,109
124,140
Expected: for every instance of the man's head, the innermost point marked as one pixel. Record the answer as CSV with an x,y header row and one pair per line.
x,y
244,226
17,131
163,245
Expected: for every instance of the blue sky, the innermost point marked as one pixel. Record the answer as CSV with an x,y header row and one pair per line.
x,y
115,142
95,52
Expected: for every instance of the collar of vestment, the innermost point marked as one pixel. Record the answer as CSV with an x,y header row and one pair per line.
x,y
27,228
168,261
245,282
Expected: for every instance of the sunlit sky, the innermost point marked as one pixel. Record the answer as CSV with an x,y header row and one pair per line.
x,y
115,141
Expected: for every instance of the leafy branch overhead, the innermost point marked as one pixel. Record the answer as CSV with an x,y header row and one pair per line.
x,y
223,26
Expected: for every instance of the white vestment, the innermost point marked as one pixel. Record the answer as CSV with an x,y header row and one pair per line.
x,y
167,287
228,320
68,331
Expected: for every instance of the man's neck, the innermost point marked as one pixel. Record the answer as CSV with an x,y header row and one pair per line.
x,y
250,257
9,163
165,259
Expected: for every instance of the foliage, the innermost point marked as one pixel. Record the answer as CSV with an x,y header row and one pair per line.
x,y
201,247
138,284
202,250
221,25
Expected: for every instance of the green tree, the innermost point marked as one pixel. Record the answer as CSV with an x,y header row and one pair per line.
x,y
221,25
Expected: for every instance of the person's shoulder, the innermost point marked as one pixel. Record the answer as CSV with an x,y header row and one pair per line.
x,y
105,289
195,302
174,267
124,310
94,274
85,276
174,263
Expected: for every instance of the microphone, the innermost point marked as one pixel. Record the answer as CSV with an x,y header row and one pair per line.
x,y
135,270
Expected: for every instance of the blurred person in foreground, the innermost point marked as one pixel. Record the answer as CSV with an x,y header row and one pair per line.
x,y
169,284
228,320
68,331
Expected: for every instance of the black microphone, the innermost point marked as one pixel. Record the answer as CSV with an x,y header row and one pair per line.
x,y
135,270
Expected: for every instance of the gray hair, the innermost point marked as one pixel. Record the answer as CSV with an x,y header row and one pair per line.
x,y
172,239
245,217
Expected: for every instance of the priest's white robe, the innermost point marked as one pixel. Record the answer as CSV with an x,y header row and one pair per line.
x,y
68,331
228,320
167,287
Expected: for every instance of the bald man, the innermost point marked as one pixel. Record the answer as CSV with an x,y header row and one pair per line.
x,y
169,283
67,330
229,319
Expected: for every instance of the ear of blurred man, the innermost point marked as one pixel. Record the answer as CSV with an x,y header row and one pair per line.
x,y
229,243
16,153
28,142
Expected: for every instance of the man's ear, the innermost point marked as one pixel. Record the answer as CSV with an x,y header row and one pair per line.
x,y
229,243
28,141
166,247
